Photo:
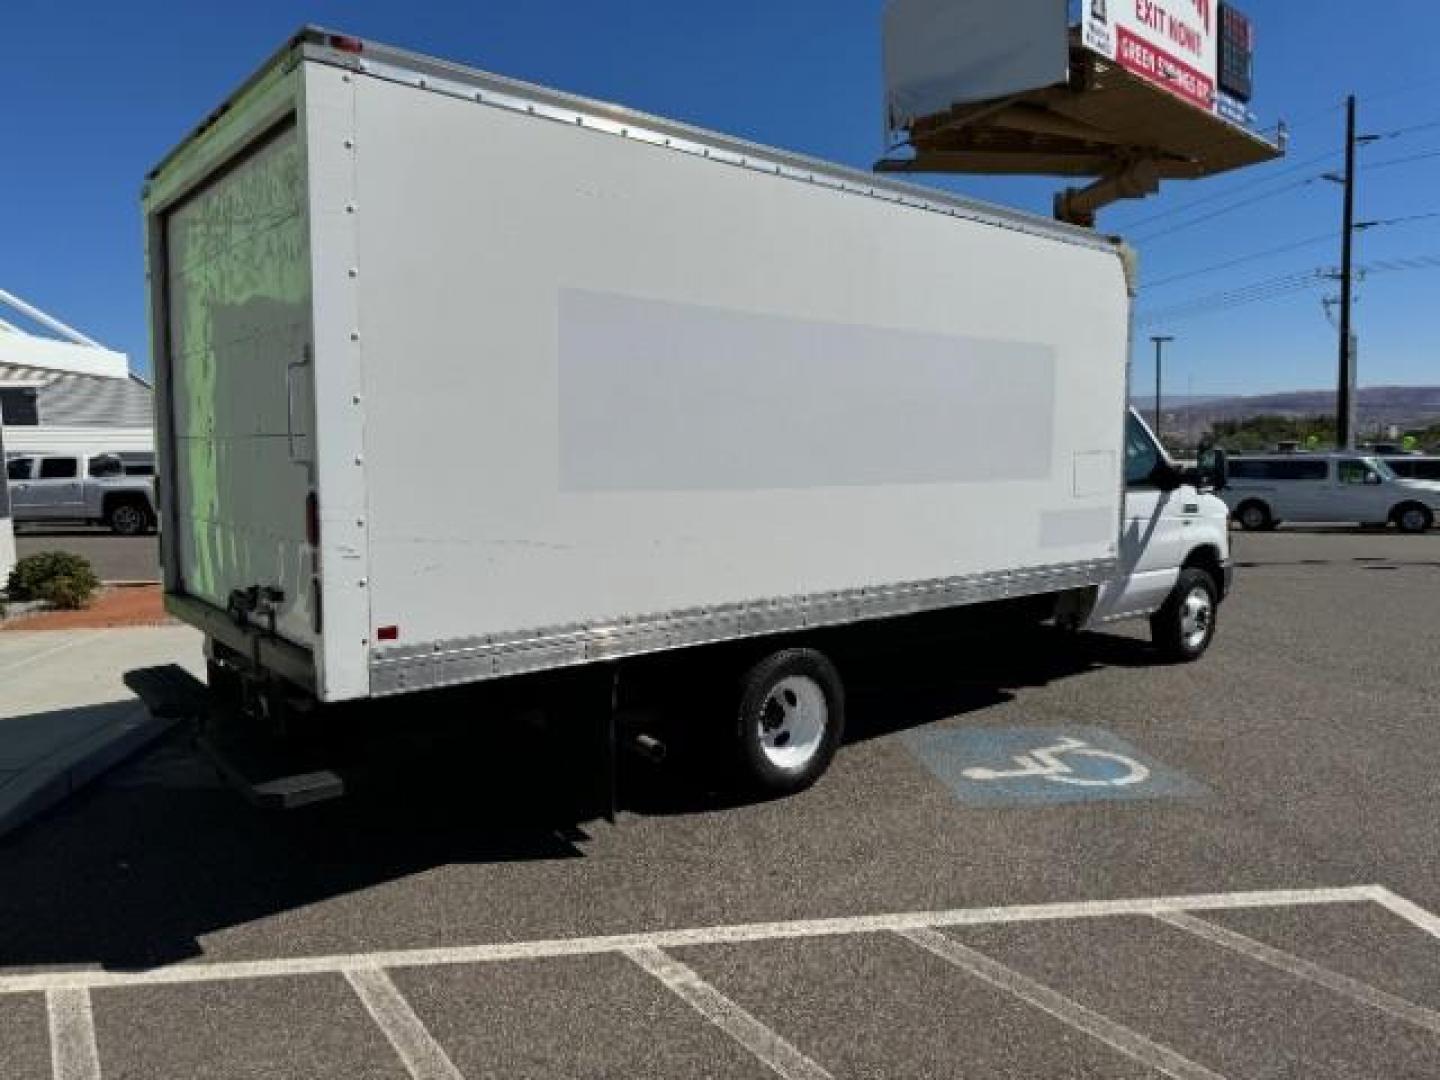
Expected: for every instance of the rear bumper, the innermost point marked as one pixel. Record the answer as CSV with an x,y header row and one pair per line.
x,y
275,655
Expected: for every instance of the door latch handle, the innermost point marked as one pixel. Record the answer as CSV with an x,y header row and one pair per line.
x,y
290,433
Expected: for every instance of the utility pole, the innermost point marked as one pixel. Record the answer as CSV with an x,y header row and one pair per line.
x,y
1344,415
1160,342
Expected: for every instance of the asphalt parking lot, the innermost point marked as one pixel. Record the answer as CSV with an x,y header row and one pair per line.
x,y
1233,876
115,558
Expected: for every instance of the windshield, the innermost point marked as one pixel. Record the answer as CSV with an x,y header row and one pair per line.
x,y
1381,467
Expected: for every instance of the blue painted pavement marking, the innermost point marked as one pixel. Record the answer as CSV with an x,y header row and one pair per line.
x,y
1045,765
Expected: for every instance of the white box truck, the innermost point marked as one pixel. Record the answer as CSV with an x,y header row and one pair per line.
x,y
460,379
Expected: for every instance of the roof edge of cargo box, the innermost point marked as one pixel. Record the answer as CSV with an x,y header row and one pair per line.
x,y
485,88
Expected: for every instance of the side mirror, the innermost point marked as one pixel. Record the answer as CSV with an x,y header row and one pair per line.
x,y
1213,471
1165,477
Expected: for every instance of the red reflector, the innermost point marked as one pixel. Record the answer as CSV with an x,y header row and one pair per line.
x,y
346,43
312,519
388,633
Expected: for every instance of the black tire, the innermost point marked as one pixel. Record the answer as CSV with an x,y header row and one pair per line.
x,y
1184,628
128,517
1254,516
781,699
1412,517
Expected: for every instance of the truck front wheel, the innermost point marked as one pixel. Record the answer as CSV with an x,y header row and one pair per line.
x,y
1412,518
1183,629
790,720
1254,516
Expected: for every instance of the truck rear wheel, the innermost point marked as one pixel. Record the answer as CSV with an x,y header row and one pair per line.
x,y
1183,629
1412,518
790,720
127,519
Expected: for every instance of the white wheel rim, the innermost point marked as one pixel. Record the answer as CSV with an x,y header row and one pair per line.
x,y
1197,615
793,721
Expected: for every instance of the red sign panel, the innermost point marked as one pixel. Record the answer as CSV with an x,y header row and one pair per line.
x,y
1155,64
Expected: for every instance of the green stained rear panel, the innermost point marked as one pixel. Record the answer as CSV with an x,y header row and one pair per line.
x,y
238,279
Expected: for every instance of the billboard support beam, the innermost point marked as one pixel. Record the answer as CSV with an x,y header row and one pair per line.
x,y
1133,180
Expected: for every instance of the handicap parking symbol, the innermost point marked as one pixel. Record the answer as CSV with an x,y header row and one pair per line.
x,y
1044,765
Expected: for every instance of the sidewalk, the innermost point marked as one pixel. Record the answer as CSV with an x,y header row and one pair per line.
x,y
65,713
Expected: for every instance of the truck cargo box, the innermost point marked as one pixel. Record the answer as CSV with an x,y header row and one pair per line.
x,y
460,378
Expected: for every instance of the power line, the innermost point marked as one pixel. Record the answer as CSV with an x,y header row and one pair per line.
x,y
1428,125
1278,288
1268,289
1405,88
1395,133
1255,256
1398,220
1372,166
1389,266
1231,191
1230,209
1409,160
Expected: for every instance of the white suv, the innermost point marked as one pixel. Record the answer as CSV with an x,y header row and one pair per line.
x,y
1264,491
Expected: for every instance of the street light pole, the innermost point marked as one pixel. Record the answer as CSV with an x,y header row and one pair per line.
x,y
1160,342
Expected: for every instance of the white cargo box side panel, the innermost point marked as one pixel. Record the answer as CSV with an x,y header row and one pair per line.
x,y
613,385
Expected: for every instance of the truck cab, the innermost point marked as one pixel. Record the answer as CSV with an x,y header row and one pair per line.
x,y
1175,565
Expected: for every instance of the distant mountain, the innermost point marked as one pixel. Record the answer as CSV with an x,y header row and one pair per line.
x,y
1146,402
1404,406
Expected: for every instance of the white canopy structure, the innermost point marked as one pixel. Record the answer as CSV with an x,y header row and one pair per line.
x,y
62,392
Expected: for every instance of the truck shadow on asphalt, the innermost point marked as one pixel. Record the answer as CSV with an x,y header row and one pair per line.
x,y
134,872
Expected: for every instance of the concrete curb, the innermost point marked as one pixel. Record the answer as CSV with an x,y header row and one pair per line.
x,y
55,778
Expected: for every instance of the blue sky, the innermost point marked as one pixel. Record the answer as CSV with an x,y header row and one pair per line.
x,y
92,94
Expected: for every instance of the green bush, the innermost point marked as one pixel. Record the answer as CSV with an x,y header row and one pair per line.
x,y
67,593
31,575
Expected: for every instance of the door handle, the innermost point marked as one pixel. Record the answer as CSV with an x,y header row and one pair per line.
x,y
290,434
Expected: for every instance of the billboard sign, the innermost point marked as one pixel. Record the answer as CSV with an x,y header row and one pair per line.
x,y
1171,43
940,53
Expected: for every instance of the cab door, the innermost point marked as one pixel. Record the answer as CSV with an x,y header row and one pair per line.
x,y
1154,540
55,490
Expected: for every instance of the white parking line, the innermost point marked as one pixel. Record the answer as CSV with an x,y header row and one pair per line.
x,y
1354,989
422,1055
674,939
1130,1043
73,1054
781,1056
1411,913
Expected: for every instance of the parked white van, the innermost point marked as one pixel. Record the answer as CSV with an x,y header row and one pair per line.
x,y
1265,491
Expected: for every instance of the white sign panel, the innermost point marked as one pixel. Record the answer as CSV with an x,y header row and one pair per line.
x,y
940,53
1172,43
